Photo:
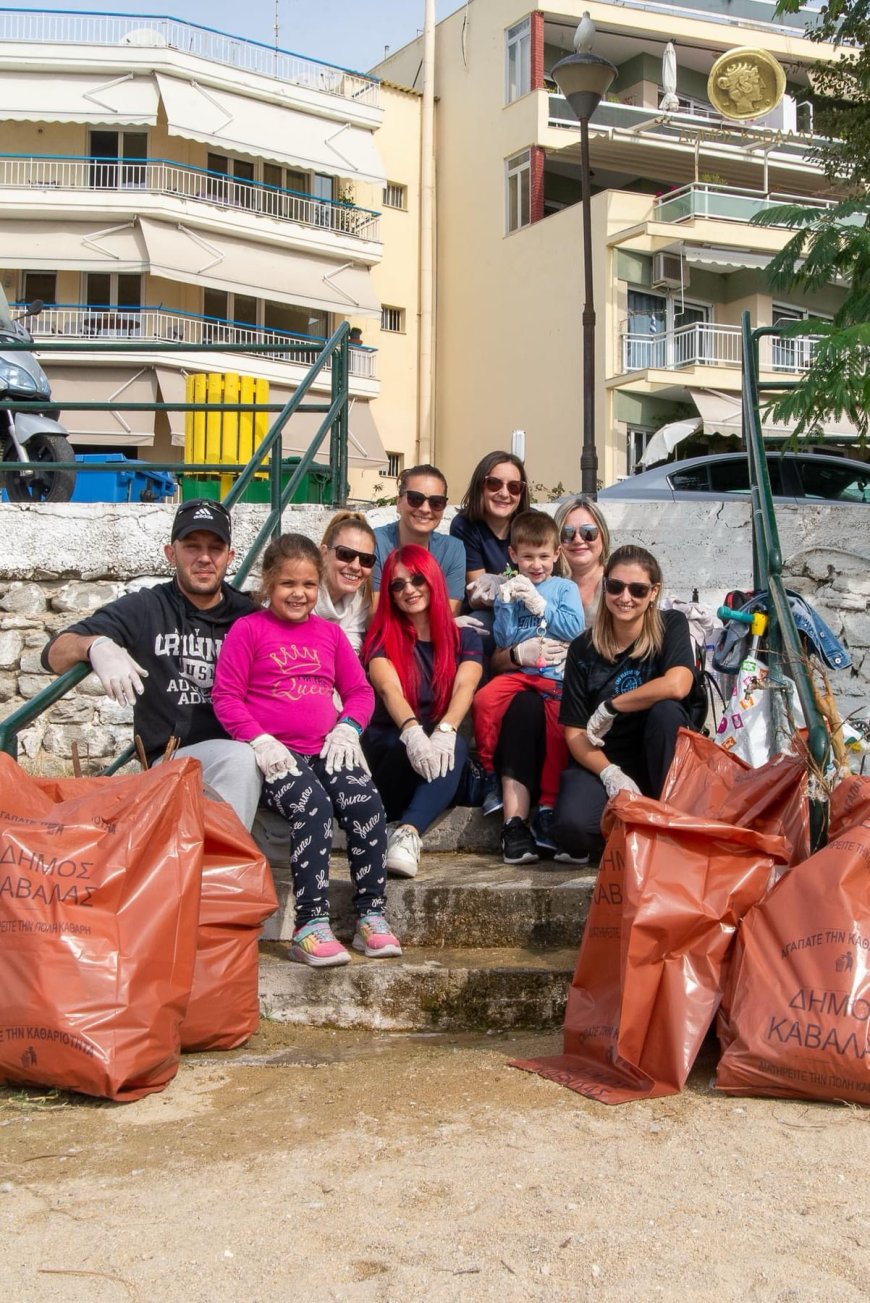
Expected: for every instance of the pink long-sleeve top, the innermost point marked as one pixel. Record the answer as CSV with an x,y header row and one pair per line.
x,y
277,677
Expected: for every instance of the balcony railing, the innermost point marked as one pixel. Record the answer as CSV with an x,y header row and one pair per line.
x,y
161,31
728,203
162,176
78,321
703,344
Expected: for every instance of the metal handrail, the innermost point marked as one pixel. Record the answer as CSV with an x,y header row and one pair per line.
x,y
335,351
782,635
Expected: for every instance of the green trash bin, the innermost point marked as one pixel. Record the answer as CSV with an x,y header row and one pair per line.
x,y
316,486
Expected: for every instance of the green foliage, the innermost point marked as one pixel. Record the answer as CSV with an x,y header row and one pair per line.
x,y
829,245
841,89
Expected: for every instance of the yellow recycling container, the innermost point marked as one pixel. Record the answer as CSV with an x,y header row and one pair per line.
x,y
231,437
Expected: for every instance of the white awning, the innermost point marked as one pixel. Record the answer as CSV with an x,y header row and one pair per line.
x,y
722,414
269,130
173,389
103,385
725,260
73,246
126,100
364,447
221,262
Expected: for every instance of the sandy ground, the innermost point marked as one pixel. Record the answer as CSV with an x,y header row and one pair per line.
x,y
359,1166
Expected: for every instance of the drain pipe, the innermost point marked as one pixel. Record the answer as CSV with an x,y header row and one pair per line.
x,y
426,346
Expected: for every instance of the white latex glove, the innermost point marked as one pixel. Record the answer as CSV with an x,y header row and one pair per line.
x,y
537,652
342,750
521,589
483,590
468,622
420,754
444,748
273,758
600,724
615,780
119,674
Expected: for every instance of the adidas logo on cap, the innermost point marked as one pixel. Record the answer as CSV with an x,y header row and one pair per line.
x,y
203,513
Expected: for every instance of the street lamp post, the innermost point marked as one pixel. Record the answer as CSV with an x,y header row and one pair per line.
x,y
583,78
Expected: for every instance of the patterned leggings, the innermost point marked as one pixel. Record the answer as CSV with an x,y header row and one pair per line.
x,y
308,803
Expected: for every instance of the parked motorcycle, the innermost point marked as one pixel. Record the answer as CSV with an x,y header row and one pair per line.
x,y
33,437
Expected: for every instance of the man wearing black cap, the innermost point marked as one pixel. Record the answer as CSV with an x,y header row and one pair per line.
x,y
155,649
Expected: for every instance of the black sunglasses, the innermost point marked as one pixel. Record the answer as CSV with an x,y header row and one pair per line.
x,y
416,580
366,559
588,533
616,586
494,484
437,501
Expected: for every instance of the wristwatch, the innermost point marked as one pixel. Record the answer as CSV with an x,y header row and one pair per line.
x,y
610,708
444,727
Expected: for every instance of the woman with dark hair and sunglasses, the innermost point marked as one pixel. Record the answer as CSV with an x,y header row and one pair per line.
x,y
424,671
497,492
626,684
345,597
420,506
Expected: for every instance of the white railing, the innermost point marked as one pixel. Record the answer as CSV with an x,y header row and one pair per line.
x,y
703,344
162,176
729,203
80,322
160,31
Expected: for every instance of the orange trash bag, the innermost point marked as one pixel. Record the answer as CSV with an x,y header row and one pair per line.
x,y
238,895
798,1000
99,897
707,781
850,804
669,893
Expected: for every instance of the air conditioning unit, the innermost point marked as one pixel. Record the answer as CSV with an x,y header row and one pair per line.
x,y
667,271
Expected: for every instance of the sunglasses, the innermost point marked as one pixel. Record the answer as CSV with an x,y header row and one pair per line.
x,y
494,484
616,586
399,585
366,559
588,533
437,501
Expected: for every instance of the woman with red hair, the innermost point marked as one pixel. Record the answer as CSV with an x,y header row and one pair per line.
x,y
424,671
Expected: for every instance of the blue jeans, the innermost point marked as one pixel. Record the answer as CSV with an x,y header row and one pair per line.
x,y
407,797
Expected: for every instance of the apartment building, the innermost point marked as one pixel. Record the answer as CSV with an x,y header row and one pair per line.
x,y
162,182
676,261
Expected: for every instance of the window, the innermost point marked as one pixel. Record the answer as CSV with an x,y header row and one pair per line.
x,y
236,191
393,319
518,60
113,155
114,299
40,285
519,185
796,353
395,195
395,464
825,480
636,444
663,331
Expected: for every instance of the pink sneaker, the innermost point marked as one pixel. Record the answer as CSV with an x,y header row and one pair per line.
x,y
314,944
374,938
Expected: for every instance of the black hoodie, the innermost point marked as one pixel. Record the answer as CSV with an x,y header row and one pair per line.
x,y
178,645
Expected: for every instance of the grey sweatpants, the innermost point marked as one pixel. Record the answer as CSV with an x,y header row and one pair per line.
x,y
231,769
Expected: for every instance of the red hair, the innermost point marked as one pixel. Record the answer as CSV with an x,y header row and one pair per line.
x,y
393,632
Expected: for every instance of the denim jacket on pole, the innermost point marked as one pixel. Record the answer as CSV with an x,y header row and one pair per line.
x,y
824,643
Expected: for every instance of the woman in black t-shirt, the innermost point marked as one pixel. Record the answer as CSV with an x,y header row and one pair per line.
x,y
626,684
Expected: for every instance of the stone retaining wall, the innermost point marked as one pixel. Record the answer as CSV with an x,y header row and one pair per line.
x,y
57,563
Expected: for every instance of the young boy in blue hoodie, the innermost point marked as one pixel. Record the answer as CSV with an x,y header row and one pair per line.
x,y
531,606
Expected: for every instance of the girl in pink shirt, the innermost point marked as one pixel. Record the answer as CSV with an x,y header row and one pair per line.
x,y
276,681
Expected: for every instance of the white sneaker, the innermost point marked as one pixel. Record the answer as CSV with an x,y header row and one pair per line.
x,y
403,851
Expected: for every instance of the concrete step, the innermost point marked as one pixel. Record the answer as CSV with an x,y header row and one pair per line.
x,y
427,989
460,899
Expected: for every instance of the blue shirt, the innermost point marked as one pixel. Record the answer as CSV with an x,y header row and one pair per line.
x,y
447,551
483,551
563,619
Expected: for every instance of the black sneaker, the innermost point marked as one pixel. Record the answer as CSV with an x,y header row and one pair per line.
x,y
517,843
542,828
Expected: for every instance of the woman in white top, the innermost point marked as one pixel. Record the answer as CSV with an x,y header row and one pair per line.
x,y
345,597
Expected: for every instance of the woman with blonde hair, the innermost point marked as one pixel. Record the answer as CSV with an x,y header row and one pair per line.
x,y
584,545
345,596
627,680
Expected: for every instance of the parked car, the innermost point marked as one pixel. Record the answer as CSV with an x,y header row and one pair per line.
x,y
794,477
